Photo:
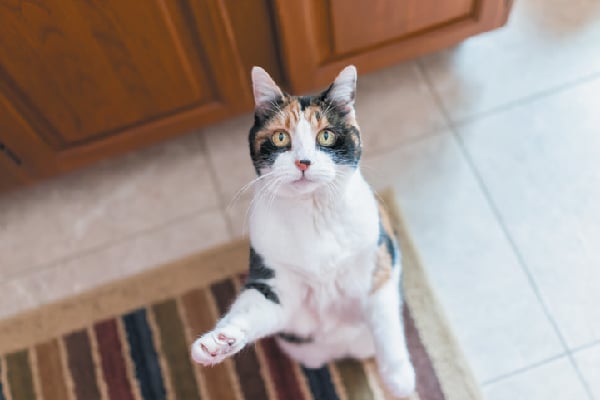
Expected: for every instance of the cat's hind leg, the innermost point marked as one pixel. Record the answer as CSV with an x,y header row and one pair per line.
x,y
383,313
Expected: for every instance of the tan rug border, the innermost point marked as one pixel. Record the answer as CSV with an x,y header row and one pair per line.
x,y
113,299
454,374
175,278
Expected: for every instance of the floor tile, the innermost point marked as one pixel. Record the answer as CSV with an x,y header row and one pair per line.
x,y
488,300
171,242
227,147
546,44
394,105
102,204
556,380
588,361
541,165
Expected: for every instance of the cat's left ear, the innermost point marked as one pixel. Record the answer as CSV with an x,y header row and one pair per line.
x,y
342,91
265,89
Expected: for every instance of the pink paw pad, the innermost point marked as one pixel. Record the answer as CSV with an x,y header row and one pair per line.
x,y
223,338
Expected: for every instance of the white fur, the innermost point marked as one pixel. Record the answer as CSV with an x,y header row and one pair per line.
x,y
319,233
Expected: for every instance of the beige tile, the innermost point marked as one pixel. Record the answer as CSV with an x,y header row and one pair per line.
x,y
91,208
393,105
556,380
184,236
588,361
541,165
546,44
477,277
227,145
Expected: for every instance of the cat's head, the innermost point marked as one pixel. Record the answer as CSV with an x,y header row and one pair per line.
x,y
300,144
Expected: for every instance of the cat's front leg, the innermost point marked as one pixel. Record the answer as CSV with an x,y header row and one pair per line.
x,y
383,312
257,312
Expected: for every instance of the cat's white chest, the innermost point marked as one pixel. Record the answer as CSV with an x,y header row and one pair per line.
x,y
314,242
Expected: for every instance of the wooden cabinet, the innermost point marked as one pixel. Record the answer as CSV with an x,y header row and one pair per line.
x,y
321,37
94,78
85,80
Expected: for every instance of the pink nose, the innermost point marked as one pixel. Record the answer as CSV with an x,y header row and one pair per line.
x,y
302,164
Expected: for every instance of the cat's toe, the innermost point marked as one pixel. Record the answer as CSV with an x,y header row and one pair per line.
x,y
229,336
400,379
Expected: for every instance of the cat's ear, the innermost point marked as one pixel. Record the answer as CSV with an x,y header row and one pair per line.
x,y
342,91
265,89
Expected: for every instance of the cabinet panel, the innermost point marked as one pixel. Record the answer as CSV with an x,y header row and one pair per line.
x,y
385,20
98,78
318,38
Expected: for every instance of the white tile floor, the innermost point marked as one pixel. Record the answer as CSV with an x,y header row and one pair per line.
x,y
493,149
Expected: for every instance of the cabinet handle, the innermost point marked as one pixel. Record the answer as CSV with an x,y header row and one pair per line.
x,y
10,154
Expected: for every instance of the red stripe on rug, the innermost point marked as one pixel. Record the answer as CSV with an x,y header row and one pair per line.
x,y
282,372
112,361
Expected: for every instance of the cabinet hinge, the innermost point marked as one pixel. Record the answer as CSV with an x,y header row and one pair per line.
x,y
10,154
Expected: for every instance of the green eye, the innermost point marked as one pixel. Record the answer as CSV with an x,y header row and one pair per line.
x,y
280,138
326,138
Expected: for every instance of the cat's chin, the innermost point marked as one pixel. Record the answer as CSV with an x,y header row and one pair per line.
x,y
300,187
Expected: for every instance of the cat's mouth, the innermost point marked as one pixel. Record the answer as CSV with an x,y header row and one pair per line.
x,y
303,180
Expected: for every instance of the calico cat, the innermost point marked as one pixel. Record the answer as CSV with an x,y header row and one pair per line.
x,y
325,266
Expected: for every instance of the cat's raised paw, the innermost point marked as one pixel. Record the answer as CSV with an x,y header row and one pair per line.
x,y
399,379
215,346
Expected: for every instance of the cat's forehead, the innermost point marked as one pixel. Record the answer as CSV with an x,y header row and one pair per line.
x,y
295,108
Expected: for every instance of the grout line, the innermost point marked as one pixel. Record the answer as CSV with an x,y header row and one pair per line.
x,y
522,370
217,185
100,247
586,346
513,245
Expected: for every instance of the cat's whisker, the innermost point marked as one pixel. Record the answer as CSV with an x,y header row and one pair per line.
x,y
245,188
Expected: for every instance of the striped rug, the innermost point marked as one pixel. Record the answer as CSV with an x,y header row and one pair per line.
x,y
130,341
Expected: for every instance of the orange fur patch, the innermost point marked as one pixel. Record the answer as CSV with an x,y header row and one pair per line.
x,y
383,268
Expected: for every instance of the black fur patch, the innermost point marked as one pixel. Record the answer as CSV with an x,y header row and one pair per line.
x,y
305,101
265,289
295,339
258,269
258,273
389,243
347,148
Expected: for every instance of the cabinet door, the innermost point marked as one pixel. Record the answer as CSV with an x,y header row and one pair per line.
x,y
321,37
95,78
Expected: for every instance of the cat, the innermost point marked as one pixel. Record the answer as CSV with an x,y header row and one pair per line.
x,y
325,270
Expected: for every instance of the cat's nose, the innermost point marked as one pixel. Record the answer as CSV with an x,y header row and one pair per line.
x,y
302,164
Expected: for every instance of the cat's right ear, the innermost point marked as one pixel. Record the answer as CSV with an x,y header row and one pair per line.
x,y
266,91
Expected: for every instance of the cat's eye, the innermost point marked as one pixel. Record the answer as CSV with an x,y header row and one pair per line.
x,y
326,138
280,138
